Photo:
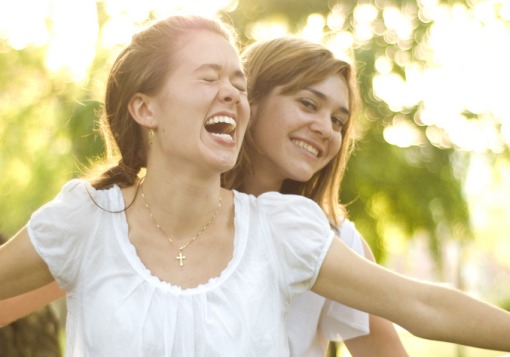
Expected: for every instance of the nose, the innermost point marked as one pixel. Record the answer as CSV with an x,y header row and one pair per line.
x,y
321,124
228,93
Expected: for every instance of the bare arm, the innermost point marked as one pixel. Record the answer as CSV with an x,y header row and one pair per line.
x,y
21,268
426,310
19,306
383,339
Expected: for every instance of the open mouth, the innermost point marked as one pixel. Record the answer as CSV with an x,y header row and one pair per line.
x,y
222,127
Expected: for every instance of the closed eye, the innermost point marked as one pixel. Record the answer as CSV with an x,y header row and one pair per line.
x,y
241,87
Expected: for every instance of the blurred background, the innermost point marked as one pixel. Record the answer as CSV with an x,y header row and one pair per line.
x,y
428,184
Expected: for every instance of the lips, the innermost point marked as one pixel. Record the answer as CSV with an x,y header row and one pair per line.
x,y
307,147
221,126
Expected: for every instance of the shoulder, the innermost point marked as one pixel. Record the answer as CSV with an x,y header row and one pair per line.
x,y
82,191
286,213
292,204
78,197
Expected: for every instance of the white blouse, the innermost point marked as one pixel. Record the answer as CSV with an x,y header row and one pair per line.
x,y
116,307
314,320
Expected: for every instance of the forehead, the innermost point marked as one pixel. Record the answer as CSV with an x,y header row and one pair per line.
x,y
204,46
333,89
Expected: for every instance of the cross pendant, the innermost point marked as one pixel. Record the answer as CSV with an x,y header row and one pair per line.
x,y
180,258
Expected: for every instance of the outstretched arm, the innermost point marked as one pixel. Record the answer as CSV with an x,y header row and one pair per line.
x,y
426,310
383,340
21,268
19,306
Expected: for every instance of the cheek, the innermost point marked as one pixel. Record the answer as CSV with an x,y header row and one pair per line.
x,y
335,145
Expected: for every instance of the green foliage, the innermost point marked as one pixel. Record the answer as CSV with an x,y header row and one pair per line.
x,y
414,189
47,136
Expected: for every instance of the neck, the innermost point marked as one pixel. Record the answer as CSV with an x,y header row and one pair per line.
x,y
180,205
256,185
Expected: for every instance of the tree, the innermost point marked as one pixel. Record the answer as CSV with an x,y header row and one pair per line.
x,y
413,188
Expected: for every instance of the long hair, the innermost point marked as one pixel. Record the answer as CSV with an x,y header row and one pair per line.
x,y
295,64
142,67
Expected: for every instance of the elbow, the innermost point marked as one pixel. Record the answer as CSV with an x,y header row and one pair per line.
x,y
429,311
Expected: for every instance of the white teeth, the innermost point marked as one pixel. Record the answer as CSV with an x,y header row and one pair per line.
x,y
221,119
225,137
307,147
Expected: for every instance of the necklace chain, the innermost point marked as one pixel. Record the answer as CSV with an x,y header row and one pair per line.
x,y
179,257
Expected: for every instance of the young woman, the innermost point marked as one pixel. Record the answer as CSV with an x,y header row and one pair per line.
x,y
174,265
303,100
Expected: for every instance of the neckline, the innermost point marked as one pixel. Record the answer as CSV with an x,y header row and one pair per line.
x,y
129,250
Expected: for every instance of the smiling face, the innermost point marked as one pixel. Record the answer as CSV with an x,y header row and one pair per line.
x,y
201,113
297,134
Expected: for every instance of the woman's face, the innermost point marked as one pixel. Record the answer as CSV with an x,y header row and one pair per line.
x,y
202,110
297,134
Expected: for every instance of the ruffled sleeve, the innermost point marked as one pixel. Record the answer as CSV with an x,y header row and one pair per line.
x,y
59,230
300,235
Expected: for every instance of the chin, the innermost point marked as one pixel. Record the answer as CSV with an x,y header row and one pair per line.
x,y
302,176
226,166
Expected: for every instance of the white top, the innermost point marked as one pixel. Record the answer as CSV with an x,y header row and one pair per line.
x,y
314,320
117,308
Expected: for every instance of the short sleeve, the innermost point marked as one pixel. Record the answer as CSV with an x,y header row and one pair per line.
x,y
301,236
58,230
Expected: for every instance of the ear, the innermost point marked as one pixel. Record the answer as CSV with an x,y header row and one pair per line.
x,y
140,108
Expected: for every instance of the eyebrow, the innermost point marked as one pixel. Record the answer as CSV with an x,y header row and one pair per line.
x,y
325,98
238,73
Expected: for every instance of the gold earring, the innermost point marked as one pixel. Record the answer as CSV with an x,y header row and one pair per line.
x,y
150,136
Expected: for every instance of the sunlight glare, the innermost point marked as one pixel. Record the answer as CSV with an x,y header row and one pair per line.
x,y
70,28
313,31
467,73
504,10
117,31
341,44
403,133
23,22
73,38
336,19
364,16
400,23
383,65
208,8
267,29
134,10
365,13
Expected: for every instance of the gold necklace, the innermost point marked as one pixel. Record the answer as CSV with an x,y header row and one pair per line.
x,y
180,257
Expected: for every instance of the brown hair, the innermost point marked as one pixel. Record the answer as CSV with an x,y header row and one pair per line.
x,y
142,67
295,64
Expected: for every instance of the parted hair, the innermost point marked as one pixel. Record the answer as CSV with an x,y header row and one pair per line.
x,y
294,64
142,67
